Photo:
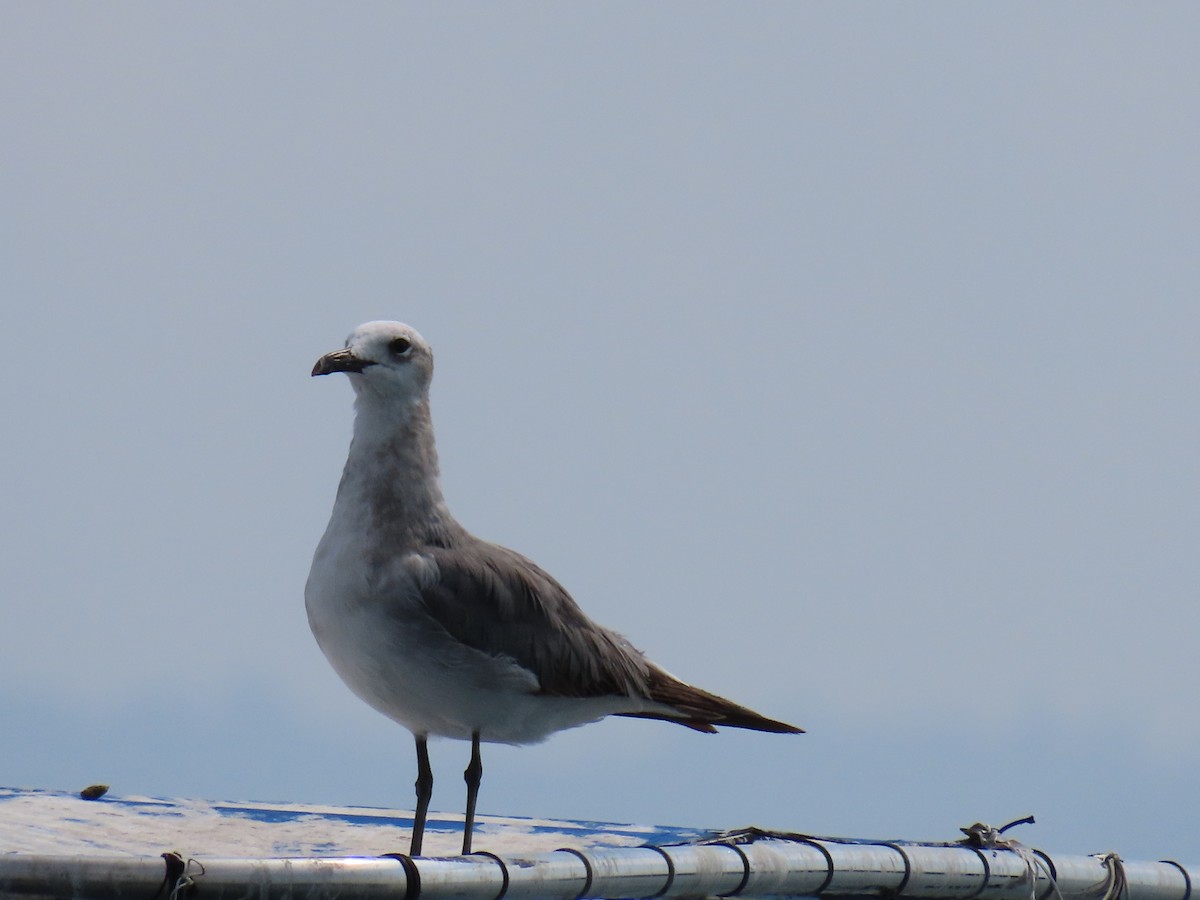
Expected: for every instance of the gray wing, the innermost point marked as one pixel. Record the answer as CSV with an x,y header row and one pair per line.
x,y
498,602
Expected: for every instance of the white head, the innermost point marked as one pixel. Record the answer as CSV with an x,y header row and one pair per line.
x,y
386,361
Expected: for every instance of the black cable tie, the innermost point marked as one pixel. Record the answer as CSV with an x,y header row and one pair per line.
x,y
175,867
1027,820
1051,869
412,875
186,884
899,889
987,873
587,867
671,872
1187,879
745,870
503,871
828,861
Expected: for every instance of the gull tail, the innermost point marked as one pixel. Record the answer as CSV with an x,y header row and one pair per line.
x,y
702,711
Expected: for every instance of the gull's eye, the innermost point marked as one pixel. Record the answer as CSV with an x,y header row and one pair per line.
x,y
400,346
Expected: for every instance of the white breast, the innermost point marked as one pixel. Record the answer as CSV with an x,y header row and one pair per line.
x,y
369,625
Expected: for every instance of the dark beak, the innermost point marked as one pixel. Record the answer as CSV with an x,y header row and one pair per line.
x,y
340,361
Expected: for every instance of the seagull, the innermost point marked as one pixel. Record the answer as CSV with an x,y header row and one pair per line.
x,y
445,633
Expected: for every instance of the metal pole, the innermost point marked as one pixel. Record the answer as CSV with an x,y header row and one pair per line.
x,y
761,868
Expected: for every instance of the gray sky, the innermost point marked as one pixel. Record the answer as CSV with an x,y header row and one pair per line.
x,y
841,355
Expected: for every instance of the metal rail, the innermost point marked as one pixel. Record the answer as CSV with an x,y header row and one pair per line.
x,y
802,867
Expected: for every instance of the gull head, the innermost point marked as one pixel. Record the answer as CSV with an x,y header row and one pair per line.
x,y
387,360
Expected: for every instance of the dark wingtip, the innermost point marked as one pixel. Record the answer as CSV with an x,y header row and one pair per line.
x,y
755,722
703,711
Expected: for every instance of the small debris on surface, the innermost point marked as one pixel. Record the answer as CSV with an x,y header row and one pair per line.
x,y
94,791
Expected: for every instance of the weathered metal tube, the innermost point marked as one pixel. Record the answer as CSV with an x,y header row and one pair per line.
x,y
761,868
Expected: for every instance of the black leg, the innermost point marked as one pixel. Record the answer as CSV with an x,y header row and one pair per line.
x,y
473,775
424,787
